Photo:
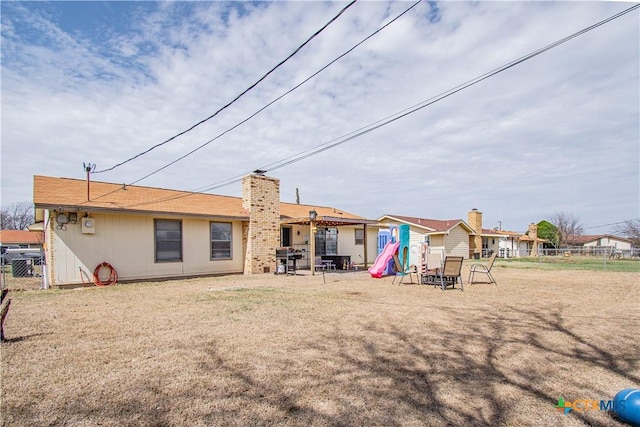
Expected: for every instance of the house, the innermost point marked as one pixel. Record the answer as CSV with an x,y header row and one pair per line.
x,y
150,233
451,237
601,240
21,239
468,239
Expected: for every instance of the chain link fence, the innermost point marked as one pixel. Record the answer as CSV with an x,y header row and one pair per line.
x,y
22,270
609,252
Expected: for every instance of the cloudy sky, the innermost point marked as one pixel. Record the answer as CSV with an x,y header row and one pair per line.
x,y
101,82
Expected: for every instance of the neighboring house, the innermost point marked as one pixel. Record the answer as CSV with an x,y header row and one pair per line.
x,y
21,239
509,244
503,242
451,237
599,240
457,237
530,244
151,233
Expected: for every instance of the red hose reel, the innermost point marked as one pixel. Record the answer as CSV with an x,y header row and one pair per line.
x,y
99,278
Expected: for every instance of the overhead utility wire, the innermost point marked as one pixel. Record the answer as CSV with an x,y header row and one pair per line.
x,y
392,118
613,223
278,98
237,97
267,105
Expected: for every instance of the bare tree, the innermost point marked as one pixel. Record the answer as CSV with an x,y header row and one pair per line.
x,y
16,216
631,230
568,226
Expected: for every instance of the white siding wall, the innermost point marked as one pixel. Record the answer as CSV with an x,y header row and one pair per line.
x,y
347,244
607,241
127,242
457,242
509,247
372,245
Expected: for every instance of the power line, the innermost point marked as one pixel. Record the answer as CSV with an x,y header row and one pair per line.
x,y
613,223
237,97
394,117
390,119
276,99
267,105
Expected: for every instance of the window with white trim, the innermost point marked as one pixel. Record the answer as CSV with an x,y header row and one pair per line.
x,y
168,234
221,238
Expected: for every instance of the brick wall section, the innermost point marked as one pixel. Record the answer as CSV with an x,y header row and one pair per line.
x,y
533,233
261,200
475,221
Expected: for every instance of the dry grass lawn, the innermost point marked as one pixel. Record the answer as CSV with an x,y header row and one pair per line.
x,y
275,350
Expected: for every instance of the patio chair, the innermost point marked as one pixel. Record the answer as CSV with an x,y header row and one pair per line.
x,y
402,271
450,273
483,269
429,270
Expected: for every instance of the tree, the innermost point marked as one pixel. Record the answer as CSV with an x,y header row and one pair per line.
x,y
16,216
631,230
548,231
568,227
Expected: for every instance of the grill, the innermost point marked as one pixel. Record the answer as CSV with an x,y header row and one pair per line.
x,y
286,258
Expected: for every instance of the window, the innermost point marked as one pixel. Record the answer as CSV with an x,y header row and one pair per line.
x,y
221,240
168,240
359,236
327,241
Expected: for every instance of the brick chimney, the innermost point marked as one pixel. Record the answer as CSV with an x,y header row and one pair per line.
x,y
533,233
475,221
261,200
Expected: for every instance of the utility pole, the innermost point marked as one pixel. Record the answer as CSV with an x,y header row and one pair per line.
x,y
89,167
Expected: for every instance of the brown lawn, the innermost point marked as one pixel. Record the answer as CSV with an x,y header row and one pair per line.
x,y
275,350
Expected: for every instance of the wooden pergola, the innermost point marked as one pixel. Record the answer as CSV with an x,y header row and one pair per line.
x,y
314,221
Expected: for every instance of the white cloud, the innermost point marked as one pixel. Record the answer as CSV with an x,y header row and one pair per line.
x,y
557,133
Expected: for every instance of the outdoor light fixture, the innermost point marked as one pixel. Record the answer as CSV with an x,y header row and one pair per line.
x,y
313,215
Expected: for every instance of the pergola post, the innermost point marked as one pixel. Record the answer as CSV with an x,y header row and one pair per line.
x,y
365,245
312,236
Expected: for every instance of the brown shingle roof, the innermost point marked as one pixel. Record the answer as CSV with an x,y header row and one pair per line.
x,y
52,193
18,237
432,225
292,210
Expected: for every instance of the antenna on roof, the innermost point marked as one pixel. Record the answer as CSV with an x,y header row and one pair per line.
x,y
88,168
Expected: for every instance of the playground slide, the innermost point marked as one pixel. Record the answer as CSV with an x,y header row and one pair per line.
x,y
379,265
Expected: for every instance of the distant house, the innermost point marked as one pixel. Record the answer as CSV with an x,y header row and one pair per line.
x,y
468,239
21,239
601,240
508,244
451,237
153,233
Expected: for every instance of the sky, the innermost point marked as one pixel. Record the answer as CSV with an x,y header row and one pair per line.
x,y
102,82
